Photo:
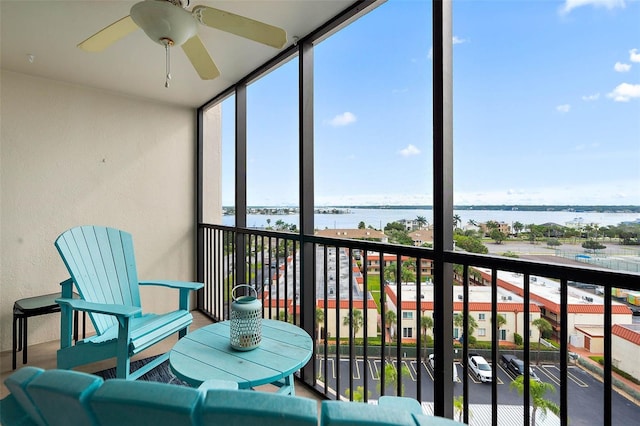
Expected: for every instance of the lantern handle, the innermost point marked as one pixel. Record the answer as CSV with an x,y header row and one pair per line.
x,y
233,291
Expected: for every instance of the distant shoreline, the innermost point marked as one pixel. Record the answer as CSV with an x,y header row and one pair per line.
x,y
502,207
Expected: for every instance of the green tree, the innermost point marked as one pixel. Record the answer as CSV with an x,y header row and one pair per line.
x,y
407,271
544,328
592,245
426,324
537,392
497,235
457,221
282,316
458,407
553,242
571,233
470,244
421,221
501,321
319,321
361,225
492,224
391,377
518,227
358,394
355,320
390,320
471,325
394,226
535,232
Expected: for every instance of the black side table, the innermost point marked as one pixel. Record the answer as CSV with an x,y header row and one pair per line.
x,y
32,307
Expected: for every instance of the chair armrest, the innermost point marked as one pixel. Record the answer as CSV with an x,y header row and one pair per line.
x,y
174,284
100,308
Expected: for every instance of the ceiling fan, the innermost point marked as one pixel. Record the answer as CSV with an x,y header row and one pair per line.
x,y
169,23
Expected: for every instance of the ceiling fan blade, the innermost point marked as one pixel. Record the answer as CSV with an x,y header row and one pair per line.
x,y
200,58
241,26
109,35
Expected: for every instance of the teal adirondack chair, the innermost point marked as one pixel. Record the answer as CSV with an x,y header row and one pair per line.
x,y
102,266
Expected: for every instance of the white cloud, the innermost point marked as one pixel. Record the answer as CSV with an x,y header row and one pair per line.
x,y
620,67
563,108
409,151
569,5
455,40
625,92
458,40
343,119
634,55
589,98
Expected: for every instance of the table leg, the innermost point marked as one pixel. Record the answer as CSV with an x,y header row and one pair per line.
x,y
15,340
24,342
286,386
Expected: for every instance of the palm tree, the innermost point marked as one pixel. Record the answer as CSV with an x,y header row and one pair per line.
x,y
501,321
537,390
354,320
456,221
319,320
390,320
421,221
407,271
426,324
390,272
518,227
458,407
391,377
543,327
471,325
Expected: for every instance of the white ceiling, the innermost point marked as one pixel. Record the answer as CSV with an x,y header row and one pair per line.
x,y
50,31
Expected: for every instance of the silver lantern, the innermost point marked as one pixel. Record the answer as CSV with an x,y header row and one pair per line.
x,y
246,320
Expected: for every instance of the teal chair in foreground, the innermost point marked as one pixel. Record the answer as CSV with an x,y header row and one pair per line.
x,y
102,266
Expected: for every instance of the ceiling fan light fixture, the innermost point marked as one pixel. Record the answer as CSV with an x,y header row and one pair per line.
x,y
162,20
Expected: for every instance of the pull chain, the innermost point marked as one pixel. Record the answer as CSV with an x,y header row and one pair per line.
x,y
168,64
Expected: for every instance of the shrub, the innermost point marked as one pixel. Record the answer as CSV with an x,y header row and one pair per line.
x,y
517,339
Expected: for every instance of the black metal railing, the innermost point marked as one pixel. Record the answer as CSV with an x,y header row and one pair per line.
x,y
362,351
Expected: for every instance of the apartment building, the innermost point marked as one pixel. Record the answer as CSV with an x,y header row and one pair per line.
x,y
510,306
337,314
375,262
354,234
585,310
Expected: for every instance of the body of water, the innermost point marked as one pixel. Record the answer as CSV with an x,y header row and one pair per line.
x,y
378,218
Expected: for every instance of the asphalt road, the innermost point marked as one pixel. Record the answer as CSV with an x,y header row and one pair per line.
x,y
585,393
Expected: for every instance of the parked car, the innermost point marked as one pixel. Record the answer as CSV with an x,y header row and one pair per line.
x,y
432,364
480,368
515,366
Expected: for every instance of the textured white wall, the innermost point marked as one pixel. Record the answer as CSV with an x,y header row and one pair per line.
x,y
73,156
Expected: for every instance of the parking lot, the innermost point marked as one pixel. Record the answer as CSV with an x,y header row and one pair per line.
x,y
585,393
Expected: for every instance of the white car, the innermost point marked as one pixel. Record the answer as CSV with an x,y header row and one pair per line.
x,y
432,364
480,368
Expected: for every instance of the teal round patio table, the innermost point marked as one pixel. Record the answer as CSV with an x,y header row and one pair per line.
x,y
206,354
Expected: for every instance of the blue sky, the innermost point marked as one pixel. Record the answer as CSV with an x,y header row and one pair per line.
x,y
546,109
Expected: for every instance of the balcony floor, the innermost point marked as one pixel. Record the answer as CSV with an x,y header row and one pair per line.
x,y
43,355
